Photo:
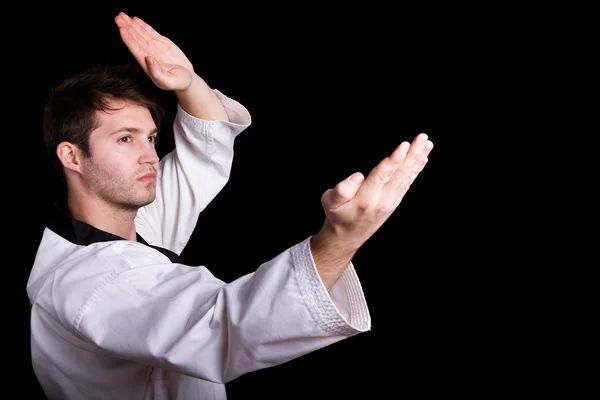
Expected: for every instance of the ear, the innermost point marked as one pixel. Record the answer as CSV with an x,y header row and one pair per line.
x,y
69,155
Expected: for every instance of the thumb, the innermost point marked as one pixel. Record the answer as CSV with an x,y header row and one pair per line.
x,y
167,76
154,68
342,192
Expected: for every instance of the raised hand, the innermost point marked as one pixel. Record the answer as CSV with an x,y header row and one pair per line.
x,y
161,59
356,207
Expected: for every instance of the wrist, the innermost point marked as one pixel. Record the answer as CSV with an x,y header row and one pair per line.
x,y
200,101
335,239
331,256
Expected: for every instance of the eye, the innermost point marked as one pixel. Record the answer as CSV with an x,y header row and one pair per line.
x,y
152,139
125,139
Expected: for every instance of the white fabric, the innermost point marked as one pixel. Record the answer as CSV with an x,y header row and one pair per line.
x,y
119,320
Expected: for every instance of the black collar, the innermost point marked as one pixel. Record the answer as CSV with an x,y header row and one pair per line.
x,y
83,234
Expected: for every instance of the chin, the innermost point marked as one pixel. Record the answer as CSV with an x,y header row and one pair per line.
x,y
147,202
140,203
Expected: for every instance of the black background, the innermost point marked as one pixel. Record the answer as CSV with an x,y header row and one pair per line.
x,y
330,93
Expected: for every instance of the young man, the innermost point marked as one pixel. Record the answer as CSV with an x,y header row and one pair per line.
x,y
115,312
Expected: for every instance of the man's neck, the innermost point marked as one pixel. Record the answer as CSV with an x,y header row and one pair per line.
x,y
105,217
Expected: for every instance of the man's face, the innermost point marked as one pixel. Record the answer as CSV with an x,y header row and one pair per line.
x,y
122,155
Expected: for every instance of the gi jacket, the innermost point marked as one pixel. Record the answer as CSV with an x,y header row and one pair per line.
x,y
119,319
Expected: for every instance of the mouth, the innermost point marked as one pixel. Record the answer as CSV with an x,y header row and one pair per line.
x,y
150,177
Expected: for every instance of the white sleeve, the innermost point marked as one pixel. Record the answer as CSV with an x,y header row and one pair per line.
x,y
191,175
185,320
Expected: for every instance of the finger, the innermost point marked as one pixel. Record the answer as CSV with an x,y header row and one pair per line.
x,y
132,44
121,20
125,19
151,31
141,33
414,163
382,173
136,31
420,147
168,76
416,158
138,47
155,70
399,154
343,192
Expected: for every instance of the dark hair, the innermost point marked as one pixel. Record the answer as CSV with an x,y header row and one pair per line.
x,y
70,110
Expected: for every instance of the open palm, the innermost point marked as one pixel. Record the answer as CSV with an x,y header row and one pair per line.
x,y
161,59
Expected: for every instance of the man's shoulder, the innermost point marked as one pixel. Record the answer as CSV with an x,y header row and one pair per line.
x,y
66,275
58,255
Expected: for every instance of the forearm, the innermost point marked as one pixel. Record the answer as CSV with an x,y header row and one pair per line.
x,y
200,101
331,255
204,151
259,320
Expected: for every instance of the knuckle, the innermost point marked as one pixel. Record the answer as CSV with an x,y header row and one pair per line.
x,y
374,209
381,211
399,176
364,205
383,174
383,170
406,177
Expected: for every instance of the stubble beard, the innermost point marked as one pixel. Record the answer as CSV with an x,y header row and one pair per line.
x,y
123,194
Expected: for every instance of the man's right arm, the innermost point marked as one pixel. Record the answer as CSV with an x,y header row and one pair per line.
x,y
331,258
135,304
142,307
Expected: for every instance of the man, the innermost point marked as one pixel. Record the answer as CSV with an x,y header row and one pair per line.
x,y
115,312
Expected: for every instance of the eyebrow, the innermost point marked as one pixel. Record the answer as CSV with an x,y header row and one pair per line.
x,y
132,129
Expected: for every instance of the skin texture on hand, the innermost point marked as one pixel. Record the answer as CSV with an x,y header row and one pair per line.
x,y
160,58
357,207
169,68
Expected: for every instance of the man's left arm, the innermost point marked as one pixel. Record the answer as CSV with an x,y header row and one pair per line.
x,y
192,175
205,127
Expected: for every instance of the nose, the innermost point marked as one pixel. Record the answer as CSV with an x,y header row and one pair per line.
x,y
148,154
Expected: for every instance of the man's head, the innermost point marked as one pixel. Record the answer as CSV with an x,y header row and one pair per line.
x,y
100,128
